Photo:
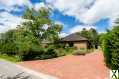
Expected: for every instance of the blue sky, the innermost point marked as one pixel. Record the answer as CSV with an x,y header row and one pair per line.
x,y
73,15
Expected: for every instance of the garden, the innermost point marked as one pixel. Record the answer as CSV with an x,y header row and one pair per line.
x,y
25,42
38,38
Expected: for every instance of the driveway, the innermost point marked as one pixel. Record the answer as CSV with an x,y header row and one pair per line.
x,y
10,69
90,66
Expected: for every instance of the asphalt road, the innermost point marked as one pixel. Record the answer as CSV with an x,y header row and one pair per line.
x,y
10,69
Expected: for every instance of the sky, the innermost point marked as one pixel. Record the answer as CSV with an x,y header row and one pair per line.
x,y
74,15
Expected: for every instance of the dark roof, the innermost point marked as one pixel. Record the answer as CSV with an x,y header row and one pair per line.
x,y
74,37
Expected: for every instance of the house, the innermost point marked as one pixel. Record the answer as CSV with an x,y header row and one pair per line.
x,y
75,40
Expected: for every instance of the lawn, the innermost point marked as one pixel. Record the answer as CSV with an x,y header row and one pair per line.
x,y
9,58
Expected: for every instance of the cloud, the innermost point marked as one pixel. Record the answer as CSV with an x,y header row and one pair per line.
x,y
15,2
13,5
37,6
78,28
75,29
63,34
87,11
70,6
100,10
8,21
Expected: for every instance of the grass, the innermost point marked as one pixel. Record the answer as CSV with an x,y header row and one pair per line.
x,y
9,58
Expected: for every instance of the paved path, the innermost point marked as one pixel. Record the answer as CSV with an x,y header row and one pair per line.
x,y
10,69
90,66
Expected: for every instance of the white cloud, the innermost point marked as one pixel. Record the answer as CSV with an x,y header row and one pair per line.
x,y
12,5
70,6
75,29
100,10
78,28
37,6
8,21
15,2
87,11
63,35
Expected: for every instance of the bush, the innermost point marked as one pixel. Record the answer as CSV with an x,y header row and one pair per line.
x,y
51,51
110,47
27,50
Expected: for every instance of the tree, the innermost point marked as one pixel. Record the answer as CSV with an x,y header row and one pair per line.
x,y
92,36
26,40
101,37
42,28
7,44
37,21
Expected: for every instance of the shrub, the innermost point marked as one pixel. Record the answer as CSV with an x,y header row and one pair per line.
x,y
110,47
41,52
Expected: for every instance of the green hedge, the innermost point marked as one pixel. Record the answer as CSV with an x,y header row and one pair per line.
x,y
110,47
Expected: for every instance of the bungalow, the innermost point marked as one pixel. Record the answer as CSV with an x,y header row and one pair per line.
x,y
75,40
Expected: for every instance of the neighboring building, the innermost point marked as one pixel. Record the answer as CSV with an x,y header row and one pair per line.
x,y
75,40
